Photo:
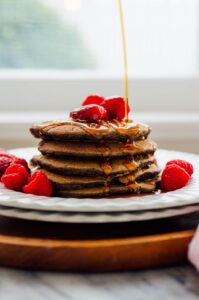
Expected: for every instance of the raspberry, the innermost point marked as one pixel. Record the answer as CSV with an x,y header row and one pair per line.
x,y
5,154
93,99
39,185
21,161
17,168
187,166
15,177
92,112
115,107
174,177
4,164
6,159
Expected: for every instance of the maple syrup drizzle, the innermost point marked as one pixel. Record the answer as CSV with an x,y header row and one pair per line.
x,y
126,86
131,147
131,178
134,186
97,129
90,128
127,128
128,147
106,167
106,189
130,165
104,150
127,179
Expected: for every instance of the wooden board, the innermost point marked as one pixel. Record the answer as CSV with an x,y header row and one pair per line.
x,y
95,247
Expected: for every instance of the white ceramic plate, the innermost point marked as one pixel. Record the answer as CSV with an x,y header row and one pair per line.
x,y
182,197
61,217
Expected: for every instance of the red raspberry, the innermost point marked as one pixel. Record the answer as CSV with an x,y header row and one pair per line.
x,y
4,164
6,159
6,154
115,107
187,166
174,177
92,112
39,185
21,161
93,99
15,177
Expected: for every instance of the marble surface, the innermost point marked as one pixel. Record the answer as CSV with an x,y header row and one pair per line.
x,y
169,283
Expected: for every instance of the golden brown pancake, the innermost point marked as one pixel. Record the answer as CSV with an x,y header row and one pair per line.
x,y
91,150
80,182
71,166
77,131
116,189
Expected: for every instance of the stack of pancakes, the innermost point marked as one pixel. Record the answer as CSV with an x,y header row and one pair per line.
x,y
95,160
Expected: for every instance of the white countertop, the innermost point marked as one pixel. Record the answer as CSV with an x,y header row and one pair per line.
x,y
169,283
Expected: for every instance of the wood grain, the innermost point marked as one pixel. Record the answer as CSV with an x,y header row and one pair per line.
x,y
111,247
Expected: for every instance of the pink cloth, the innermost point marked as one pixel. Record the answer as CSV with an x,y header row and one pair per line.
x,y
193,252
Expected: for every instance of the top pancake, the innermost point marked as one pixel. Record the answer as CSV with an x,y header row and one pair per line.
x,y
92,132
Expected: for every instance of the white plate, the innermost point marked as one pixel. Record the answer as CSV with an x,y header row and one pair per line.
x,y
61,217
185,196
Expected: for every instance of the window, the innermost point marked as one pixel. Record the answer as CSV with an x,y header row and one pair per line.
x,y
55,52
35,35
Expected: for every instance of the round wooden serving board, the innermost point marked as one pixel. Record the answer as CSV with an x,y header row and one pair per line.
x,y
95,247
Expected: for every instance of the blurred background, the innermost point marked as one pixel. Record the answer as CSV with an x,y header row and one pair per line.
x,y
53,53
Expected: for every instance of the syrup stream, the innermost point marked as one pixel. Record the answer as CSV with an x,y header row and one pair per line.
x,y
126,83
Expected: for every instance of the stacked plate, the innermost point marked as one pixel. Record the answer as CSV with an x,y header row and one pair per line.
x,y
118,209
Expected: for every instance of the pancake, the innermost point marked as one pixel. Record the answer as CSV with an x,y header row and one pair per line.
x,y
116,189
91,150
77,131
64,182
70,166
76,182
